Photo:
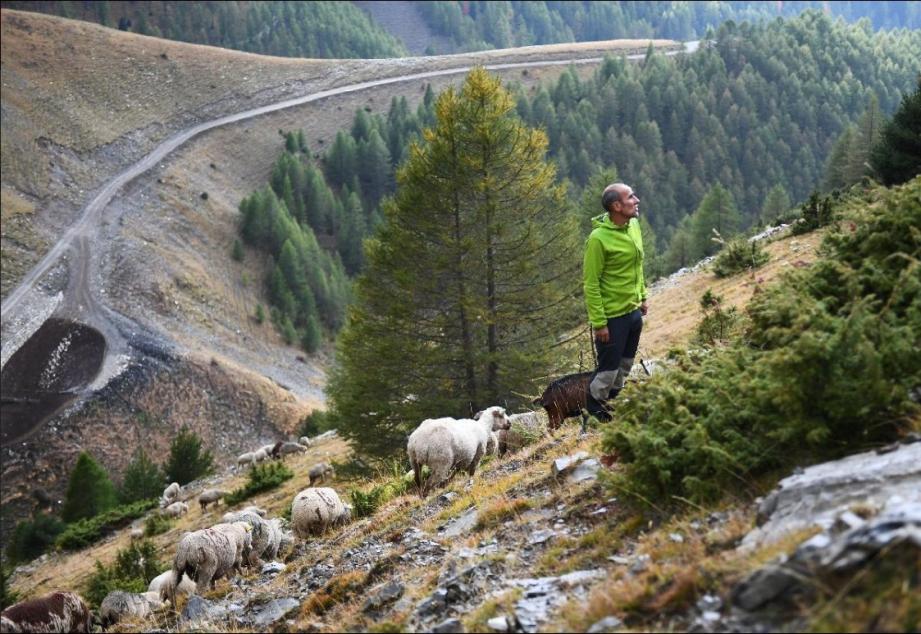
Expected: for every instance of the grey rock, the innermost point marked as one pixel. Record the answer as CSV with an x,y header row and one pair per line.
x,y
676,537
820,494
273,611
449,626
198,609
542,536
762,586
607,624
640,564
388,593
709,602
273,568
447,498
566,463
620,561
586,470
498,624
462,524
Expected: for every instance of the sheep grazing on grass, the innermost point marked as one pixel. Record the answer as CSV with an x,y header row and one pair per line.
x,y
284,448
524,429
137,533
170,495
278,538
210,495
204,556
260,536
162,583
55,612
120,605
315,510
247,458
564,397
304,440
446,445
319,473
176,509
240,534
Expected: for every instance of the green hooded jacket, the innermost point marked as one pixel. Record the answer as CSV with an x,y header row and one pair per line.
x,y
613,270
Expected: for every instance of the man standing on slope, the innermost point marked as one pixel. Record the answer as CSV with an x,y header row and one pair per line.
x,y
615,293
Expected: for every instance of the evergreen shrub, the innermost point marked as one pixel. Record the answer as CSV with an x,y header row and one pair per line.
x,y
84,532
143,479
7,596
157,524
739,255
261,478
132,571
365,503
826,367
89,492
33,537
187,460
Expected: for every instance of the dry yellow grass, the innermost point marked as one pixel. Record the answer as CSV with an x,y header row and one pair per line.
x,y
674,312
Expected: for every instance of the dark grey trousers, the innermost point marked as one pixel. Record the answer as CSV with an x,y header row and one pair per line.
x,y
615,358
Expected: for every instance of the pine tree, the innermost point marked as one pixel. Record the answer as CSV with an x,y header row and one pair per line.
x,y
469,280
143,479
897,156
89,492
717,212
187,461
775,204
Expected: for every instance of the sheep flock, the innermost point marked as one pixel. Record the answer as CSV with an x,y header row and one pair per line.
x,y
244,539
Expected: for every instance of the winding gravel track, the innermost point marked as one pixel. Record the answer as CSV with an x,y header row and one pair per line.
x,y
79,239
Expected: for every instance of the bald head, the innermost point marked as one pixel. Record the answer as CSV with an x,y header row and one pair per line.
x,y
611,193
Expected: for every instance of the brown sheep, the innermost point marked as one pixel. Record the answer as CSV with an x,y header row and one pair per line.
x,y
564,397
55,612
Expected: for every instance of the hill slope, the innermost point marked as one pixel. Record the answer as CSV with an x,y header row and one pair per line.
x,y
81,103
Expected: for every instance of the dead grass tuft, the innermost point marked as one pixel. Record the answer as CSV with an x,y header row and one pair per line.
x,y
336,591
500,510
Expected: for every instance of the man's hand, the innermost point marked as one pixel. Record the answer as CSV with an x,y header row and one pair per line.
x,y
602,335
644,308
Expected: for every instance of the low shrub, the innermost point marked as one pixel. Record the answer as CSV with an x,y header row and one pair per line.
x,y
132,571
395,484
739,255
826,366
87,531
157,524
7,596
718,324
261,478
815,212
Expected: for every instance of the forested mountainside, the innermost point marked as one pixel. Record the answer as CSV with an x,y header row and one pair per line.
x,y
288,29
728,138
340,29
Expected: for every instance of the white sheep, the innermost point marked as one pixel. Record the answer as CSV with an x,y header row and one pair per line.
x,y
210,495
305,440
319,472
446,445
240,533
170,495
162,583
119,605
204,556
137,533
261,455
314,510
260,536
176,509
278,538
246,458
